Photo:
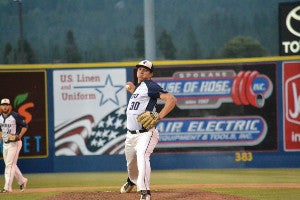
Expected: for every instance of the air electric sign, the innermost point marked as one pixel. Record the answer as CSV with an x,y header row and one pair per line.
x,y
289,28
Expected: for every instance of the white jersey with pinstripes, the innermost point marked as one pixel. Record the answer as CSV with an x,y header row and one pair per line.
x,y
144,98
11,124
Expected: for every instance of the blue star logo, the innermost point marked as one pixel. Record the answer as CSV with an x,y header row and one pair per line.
x,y
108,91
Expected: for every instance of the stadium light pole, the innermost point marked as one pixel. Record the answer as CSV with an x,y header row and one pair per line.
x,y
21,30
149,30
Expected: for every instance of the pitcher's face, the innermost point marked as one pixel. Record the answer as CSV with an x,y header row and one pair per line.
x,y
143,74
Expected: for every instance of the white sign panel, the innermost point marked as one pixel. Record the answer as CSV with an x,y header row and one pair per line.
x,y
89,110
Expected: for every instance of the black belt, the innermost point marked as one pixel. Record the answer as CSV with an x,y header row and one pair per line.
x,y
138,131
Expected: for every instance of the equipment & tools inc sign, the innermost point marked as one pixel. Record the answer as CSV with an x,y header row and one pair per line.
x,y
289,28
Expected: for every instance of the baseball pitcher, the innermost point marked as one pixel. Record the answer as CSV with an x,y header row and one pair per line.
x,y
142,136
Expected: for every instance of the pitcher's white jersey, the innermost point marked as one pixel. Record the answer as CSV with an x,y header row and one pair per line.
x,y
143,99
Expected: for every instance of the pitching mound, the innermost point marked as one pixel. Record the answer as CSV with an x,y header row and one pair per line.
x,y
156,195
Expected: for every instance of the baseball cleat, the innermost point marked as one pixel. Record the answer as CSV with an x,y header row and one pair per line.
x,y
23,186
4,191
127,187
145,195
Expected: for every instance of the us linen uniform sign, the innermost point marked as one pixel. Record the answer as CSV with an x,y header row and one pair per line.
x,y
89,111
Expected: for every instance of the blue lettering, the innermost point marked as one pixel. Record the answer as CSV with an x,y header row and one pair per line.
x,y
26,144
38,143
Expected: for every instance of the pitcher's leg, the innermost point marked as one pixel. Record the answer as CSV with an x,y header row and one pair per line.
x,y
132,170
131,159
145,148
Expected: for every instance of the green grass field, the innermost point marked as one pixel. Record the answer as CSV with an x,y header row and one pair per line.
x,y
266,184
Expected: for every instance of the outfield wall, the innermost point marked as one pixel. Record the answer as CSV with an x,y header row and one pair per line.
x,y
241,113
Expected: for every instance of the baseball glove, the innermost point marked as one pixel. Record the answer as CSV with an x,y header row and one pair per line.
x,y
13,138
148,119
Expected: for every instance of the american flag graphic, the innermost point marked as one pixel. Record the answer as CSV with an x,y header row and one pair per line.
x,y
83,137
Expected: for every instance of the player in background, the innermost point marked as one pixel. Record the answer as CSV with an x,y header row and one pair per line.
x,y
140,142
12,124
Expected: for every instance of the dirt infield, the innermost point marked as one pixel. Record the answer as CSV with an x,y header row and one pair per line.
x,y
156,195
159,192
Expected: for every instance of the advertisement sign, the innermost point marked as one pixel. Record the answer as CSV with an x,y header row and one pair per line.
x,y
219,108
27,93
89,111
289,28
291,92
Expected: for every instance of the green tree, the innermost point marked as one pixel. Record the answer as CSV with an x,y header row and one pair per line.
x,y
166,46
29,53
28,56
189,47
139,41
193,46
55,54
72,54
243,47
8,54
